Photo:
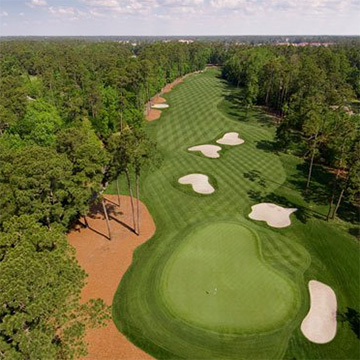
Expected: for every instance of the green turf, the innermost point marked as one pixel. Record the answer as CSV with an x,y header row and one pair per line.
x,y
201,110
217,279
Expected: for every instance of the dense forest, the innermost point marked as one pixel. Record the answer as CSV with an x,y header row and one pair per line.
x,y
314,94
71,117
72,120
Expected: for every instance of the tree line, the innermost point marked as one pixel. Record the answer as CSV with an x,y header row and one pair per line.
x,y
314,92
71,121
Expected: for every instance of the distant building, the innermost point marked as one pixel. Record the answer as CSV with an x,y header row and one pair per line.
x,y
185,41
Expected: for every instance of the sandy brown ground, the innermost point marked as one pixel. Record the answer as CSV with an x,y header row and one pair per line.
x,y
106,262
167,88
158,100
154,114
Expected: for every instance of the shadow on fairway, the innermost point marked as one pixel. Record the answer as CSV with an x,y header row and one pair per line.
x,y
320,190
352,317
355,232
255,176
267,145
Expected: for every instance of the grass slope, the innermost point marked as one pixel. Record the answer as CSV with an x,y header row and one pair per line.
x,y
201,110
217,279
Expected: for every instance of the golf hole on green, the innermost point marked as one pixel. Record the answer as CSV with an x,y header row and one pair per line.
x,y
218,280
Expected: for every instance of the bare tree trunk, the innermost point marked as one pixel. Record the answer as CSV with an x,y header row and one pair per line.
x,y
117,189
282,100
138,203
310,169
338,203
333,195
311,163
341,195
107,218
131,198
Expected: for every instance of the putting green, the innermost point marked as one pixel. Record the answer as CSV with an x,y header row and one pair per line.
x,y
217,279
162,316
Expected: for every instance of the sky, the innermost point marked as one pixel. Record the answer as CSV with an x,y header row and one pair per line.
x,y
179,17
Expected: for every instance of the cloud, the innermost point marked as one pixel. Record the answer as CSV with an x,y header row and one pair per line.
x,y
4,13
227,4
180,3
297,7
62,10
102,3
115,7
37,3
197,11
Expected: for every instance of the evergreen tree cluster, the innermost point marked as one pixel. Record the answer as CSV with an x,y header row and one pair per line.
x,y
314,92
71,116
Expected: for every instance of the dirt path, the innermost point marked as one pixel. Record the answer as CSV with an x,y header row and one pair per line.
x,y
106,262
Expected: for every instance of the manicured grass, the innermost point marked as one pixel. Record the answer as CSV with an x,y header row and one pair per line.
x,y
217,279
245,175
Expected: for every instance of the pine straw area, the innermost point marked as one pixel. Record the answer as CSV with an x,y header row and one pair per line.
x,y
154,114
106,261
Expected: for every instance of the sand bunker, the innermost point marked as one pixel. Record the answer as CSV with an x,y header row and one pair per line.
x,y
319,325
230,138
274,215
210,151
200,183
160,106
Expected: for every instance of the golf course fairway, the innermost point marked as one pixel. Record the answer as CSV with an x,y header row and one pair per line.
x,y
216,279
212,283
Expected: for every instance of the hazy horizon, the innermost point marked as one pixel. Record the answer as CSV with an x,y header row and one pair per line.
x,y
179,17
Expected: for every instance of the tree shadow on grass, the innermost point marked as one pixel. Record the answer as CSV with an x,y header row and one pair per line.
x,y
349,212
255,176
352,318
355,232
320,190
267,145
262,118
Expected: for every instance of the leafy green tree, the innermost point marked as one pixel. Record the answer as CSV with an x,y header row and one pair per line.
x,y
315,128
340,143
351,184
144,154
89,162
40,285
12,100
40,123
36,180
121,148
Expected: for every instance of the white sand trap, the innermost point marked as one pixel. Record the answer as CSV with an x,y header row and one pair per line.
x,y
230,138
160,106
200,183
319,325
210,151
274,215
